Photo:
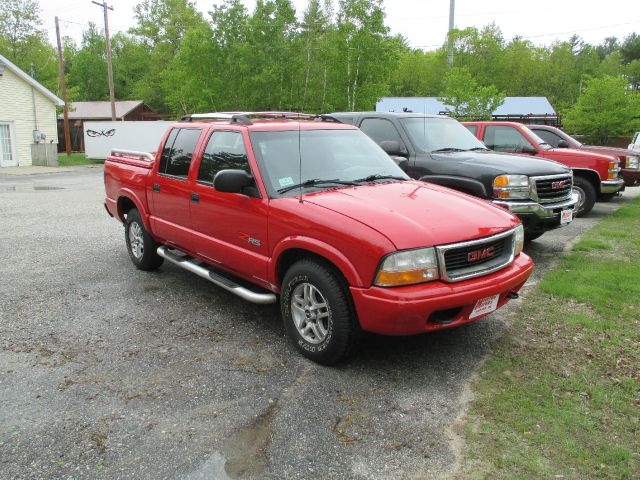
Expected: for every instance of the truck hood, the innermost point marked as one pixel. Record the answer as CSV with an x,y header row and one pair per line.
x,y
574,153
415,214
614,151
467,163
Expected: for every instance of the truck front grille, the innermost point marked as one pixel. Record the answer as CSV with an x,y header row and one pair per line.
x,y
553,188
461,261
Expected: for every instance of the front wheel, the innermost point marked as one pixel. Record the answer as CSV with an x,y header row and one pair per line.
x,y
317,312
141,246
586,196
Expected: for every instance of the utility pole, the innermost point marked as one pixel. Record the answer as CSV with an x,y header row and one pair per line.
x,y
63,88
112,97
452,7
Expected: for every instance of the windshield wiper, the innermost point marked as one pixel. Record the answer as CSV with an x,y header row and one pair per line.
x,y
373,178
478,149
448,149
313,182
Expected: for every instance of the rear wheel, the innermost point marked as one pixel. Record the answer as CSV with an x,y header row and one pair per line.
x,y
586,196
141,246
317,312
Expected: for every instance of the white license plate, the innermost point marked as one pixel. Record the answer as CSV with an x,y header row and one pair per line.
x,y
485,305
566,216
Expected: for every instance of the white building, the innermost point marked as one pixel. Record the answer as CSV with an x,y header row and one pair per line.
x,y
28,128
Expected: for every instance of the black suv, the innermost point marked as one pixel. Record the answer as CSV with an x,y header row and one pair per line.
x,y
439,149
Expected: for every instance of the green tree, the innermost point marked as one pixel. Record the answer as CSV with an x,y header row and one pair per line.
x,y
88,73
606,108
467,99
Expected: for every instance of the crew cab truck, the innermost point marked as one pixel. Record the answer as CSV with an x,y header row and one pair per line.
x,y
438,149
629,160
314,212
594,174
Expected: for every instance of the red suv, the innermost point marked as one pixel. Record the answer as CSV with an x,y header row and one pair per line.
x,y
594,174
315,213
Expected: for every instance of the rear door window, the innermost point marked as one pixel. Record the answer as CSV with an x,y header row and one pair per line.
x,y
505,139
176,161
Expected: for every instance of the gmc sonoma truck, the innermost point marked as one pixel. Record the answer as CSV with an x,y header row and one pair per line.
x,y
438,149
313,211
594,174
629,160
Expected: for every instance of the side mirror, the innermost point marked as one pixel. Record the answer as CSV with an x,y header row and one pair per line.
x,y
529,149
402,162
393,148
562,144
232,181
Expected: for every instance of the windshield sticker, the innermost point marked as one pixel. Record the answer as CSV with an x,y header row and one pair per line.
x,y
285,181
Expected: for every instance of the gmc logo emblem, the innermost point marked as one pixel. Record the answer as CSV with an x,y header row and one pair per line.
x,y
560,184
480,254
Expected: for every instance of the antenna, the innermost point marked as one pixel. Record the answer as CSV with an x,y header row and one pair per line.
x,y
299,159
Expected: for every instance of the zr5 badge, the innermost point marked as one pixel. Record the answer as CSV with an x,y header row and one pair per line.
x,y
248,238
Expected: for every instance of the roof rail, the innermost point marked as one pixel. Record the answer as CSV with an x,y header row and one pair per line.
x,y
244,118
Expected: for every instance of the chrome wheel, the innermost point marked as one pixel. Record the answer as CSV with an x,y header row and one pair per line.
x,y
136,240
581,197
310,313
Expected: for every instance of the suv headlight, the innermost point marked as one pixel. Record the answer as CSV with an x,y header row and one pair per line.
x,y
511,186
518,240
633,162
408,267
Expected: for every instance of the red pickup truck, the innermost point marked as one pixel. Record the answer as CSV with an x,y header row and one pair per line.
x,y
268,205
594,174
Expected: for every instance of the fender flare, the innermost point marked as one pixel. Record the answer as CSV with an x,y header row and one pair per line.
x,y
466,185
130,194
322,249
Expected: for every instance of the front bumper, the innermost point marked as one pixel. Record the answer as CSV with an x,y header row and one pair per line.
x,y
436,305
611,186
631,176
538,217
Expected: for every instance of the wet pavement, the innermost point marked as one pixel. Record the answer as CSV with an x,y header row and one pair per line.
x,y
109,372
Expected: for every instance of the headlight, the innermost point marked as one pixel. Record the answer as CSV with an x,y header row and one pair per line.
x,y
613,170
518,240
511,186
633,162
408,267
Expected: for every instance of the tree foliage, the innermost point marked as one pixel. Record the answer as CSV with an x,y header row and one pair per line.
x,y
467,99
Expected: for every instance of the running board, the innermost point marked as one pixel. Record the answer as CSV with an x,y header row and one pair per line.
x,y
194,266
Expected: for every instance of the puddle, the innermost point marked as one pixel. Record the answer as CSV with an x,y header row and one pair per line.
x,y
27,188
213,468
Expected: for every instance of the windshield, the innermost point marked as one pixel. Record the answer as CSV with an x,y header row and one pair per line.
x,y
544,145
440,134
331,155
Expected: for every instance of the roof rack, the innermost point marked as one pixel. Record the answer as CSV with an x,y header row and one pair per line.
x,y
244,118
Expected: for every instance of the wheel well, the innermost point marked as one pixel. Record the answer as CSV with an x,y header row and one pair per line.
x,y
592,177
291,256
124,205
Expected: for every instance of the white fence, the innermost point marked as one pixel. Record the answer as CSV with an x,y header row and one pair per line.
x,y
102,137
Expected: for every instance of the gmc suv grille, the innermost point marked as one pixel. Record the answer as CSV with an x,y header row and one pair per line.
x,y
553,188
461,261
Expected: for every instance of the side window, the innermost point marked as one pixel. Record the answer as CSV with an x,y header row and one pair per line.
x,y
166,151
380,130
505,139
225,150
182,152
472,128
549,137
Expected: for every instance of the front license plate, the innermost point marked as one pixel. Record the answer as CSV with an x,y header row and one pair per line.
x,y
566,216
485,305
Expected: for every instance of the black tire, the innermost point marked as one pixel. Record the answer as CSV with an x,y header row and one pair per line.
x,y
141,246
587,193
340,325
528,237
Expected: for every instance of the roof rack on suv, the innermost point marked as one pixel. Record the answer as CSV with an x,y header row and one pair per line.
x,y
244,118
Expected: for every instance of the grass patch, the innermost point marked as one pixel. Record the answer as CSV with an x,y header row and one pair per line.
x,y
75,159
560,397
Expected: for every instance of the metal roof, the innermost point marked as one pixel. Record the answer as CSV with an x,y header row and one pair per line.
x,y
31,81
100,110
511,105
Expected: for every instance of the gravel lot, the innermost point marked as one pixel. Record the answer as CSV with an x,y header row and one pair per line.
x,y
109,372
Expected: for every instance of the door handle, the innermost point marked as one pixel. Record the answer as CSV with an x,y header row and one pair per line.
x,y
195,198
156,187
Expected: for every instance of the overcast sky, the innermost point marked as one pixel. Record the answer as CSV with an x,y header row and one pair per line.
x,y
423,22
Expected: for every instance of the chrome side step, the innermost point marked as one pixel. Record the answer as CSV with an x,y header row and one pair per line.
x,y
194,266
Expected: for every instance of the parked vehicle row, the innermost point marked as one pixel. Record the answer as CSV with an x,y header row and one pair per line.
x,y
416,236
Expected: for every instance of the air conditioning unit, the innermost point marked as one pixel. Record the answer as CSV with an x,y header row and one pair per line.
x,y
38,136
